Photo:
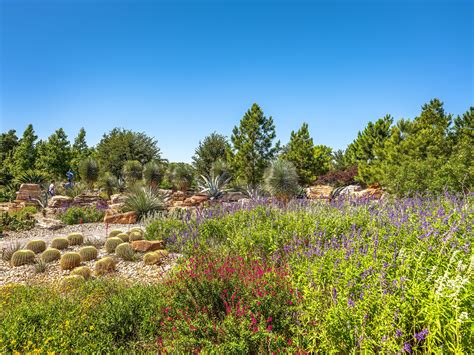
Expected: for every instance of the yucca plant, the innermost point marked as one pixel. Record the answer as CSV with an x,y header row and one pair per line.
x,y
108,182
143,201
181,176
215,186
282,180
152,174
132,171
89,171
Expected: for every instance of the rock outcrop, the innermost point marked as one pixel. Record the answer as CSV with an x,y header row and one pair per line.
x,y
319,192
120,218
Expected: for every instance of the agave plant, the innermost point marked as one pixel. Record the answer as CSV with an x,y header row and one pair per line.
x,y
282,180
214,187
31,177
144,201
254,192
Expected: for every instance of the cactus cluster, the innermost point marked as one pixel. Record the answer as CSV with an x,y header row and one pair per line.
x,y
59,243
75,238
137,230
36,246
135,235
125,252
154,257
104,266
83,271
72,281
88,253
50,254
114,233
112,243
22,257
124,236
70,261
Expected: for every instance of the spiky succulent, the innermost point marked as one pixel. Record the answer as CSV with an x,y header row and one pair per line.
x,y
37,246
124,236
104,266
153,173
215,186
144,201
70,261
135,235
59,243
22,257
112,243
282,180
75,238
50,254
125,252
83,271
114,233
88,253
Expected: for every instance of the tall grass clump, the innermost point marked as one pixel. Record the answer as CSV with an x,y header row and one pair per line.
x,y
144,201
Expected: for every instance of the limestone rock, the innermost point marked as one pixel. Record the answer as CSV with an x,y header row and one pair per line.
x,y
232,196
120,218
195,200
117,198
50,223
147,245
319,192
89,199
28,192
60,201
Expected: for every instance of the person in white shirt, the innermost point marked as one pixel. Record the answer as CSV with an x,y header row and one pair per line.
x,y
52,189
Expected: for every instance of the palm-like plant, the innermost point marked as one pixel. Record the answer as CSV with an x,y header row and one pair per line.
x,y
144,201
89,171
282,180
132,171
31,177
108,182
152,173
181,176
214,187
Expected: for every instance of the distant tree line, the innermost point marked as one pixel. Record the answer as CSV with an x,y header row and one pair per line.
x,y
431,153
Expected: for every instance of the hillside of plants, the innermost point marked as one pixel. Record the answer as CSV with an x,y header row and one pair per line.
x,y
276,271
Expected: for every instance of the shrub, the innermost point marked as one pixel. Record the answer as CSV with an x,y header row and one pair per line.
x,y
19,220
36,246
282,180
339,178
153,174
104,266
164,228
77,215
182,176
59,243
88,253
132,171
50,254
112,243
83,271
144,201
109,183
89,171
22,257
9,250
75,239
70,260
114,233
125,252
71,282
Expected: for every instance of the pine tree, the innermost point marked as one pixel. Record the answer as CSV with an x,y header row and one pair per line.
x,y
79,150
211,151
301,152
252,146
54,157
24,156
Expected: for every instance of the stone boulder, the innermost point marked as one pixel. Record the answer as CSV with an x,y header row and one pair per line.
x,y
49,223
233,196
117,198
60,201
28,192
319,192
144,246
195,200
120,218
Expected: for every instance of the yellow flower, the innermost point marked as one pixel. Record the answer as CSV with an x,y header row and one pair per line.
x,y
91,327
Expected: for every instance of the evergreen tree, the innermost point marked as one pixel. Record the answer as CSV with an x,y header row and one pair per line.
x,y
301,152
79,151
252,146
24,156
54,157
210,152
8,143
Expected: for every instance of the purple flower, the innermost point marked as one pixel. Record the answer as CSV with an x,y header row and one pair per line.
x,y
407,347
398,333
421,335
350,302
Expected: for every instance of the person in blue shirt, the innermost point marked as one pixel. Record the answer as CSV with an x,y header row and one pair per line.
x,y
69,176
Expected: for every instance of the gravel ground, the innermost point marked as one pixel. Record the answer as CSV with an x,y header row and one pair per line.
x,y
135,272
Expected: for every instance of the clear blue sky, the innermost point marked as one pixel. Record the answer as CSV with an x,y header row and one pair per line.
x,y
180,70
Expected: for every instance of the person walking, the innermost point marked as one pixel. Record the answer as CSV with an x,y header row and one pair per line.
x,y
52,189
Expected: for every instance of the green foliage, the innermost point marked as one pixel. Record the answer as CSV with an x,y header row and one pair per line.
x,y
213,186
71,282
70,260
50,254
83,271
40,266
108,182
9,250
37,246
77,215
31,177
309,161
125,252
162,228
119,146
54,155
112,243
89,171
181,175
75,239
153,173
105,266
24,155
132,171
79,150
59,243
18,220
144,201
210,153
154,257
22,257
88,253
252,146
282,180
